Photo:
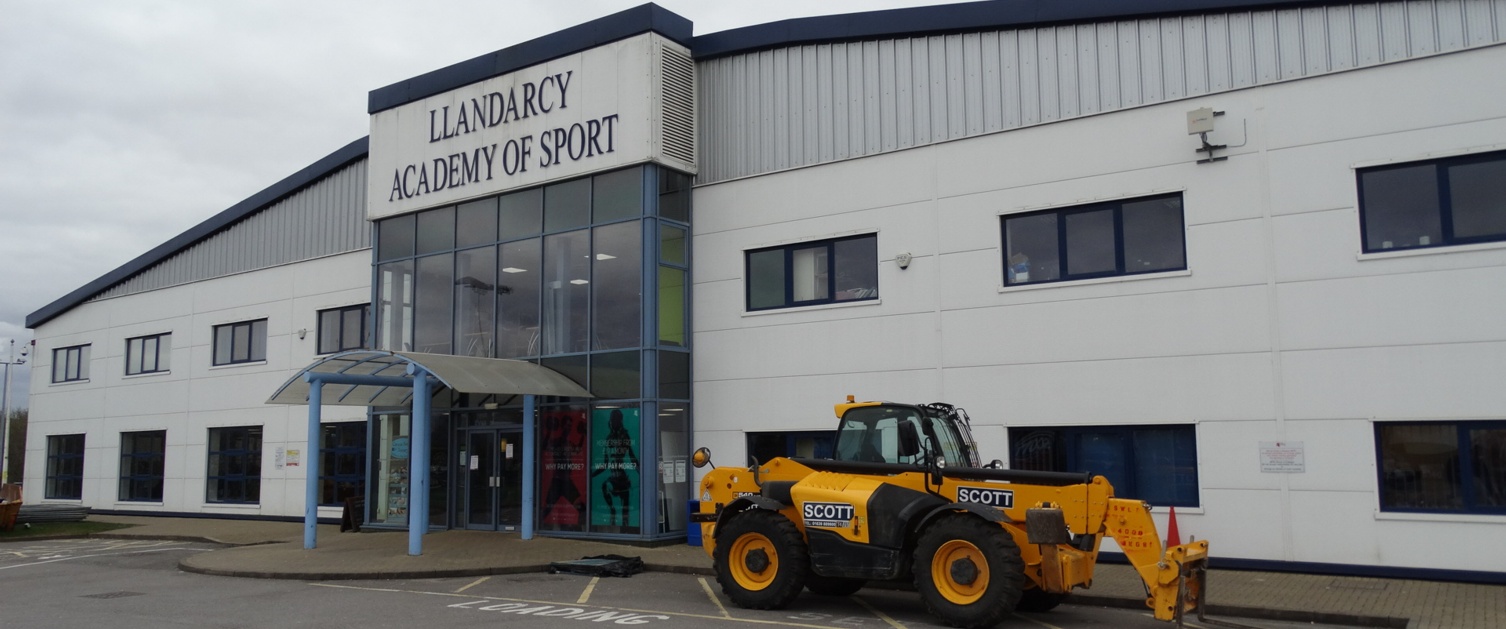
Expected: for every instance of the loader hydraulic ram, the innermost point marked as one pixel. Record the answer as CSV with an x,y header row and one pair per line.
x,y
905,498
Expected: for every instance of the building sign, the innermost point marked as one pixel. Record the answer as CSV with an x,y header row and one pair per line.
x,y
578,114
1282,457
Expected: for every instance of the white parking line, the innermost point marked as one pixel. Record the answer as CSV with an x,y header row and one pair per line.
x,y
881,615
550,606
712,596
56,559
1043,624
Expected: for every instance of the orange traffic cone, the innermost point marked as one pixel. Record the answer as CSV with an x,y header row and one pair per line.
x,y
1173,537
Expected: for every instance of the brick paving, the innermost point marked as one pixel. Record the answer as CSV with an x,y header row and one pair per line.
x,y
275,550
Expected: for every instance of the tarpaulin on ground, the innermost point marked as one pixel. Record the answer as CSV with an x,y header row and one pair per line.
x,y
599,566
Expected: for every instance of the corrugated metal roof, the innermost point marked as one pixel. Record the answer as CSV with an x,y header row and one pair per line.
x,y
272,194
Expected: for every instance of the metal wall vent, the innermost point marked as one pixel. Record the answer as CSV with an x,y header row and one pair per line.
x,y
677,90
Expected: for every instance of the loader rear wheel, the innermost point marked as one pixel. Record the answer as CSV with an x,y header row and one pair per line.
x,y
968,571
1038,600
761,560
833,586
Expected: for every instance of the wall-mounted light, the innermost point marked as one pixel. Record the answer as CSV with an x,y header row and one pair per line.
x,y
302,333
903,260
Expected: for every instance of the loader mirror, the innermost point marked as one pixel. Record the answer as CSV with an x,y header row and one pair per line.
x,y
701,457
909,440
995,465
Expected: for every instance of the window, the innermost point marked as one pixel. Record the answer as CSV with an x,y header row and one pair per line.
x,y
1442,467
65,467
1157,464
244,342
70,364
1452,201
341,329
342,452
1125,237
810,444
809,273
234,465
148,354
142,458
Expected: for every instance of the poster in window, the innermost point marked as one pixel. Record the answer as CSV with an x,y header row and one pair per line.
x,y
614,468
563,478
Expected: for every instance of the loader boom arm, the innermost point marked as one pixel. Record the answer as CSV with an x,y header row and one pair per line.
x,y
1173,576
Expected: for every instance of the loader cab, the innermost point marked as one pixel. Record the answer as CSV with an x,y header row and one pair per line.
x,y
901,433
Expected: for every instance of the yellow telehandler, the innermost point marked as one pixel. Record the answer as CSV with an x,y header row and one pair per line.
x,y
906,498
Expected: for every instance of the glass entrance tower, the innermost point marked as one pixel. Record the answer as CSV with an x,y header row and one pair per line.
x,y
587,276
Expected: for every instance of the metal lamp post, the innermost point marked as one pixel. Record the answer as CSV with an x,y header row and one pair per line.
x,y
5,404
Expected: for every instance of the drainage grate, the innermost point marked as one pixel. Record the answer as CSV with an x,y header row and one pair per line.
x,y
114,595
1353,584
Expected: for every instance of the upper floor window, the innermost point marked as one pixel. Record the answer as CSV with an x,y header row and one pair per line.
x,y
70,364
1447,467
148,354
810,273
244,342
1126,237
341,329
1454,201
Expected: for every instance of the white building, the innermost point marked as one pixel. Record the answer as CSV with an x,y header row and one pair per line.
x,y
1248,262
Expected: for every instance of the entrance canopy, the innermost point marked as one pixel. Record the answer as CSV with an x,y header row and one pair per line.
x,y
371,378
465,374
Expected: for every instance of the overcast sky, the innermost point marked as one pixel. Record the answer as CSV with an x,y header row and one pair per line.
x,y
125,122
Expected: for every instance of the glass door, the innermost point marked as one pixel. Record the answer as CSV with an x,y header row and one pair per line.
x,y
493,479
479,508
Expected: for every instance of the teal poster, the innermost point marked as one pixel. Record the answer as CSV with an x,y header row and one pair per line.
x,y
614,468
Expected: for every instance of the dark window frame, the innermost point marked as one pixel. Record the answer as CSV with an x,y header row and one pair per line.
x,y
1461,467
75,364
131,459
339,333
1062,247
1069,437
65,467
788,280
249,478
328,471
251,356
138,358
1445,208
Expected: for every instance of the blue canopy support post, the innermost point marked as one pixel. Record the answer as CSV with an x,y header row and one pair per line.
x,y
311,455
529,428
418,466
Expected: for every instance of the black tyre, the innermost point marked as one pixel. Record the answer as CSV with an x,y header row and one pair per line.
x,y
968,571
1037,600
761,560
833,586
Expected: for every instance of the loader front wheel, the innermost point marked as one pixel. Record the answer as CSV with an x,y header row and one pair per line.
x,y
761,560
968,571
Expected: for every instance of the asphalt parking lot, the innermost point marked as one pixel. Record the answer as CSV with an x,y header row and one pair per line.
x,y
126,584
